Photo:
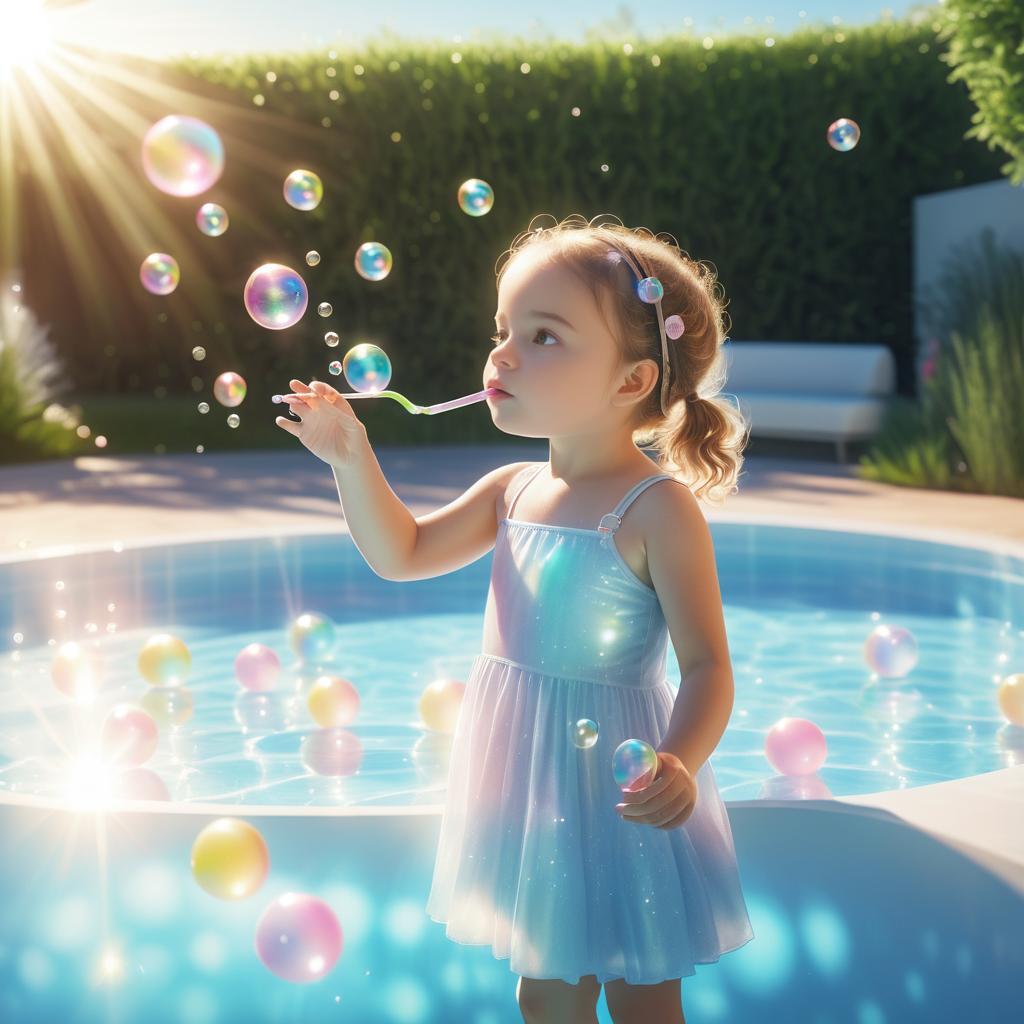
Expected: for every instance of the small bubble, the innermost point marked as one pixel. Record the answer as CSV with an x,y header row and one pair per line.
x,y
203,407
199,353
312,257
234,420
325,309
331,339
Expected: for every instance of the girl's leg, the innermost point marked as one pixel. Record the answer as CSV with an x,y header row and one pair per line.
x,y
552,1001
640,1004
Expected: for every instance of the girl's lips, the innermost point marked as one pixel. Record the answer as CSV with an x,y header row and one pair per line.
x,y
498,393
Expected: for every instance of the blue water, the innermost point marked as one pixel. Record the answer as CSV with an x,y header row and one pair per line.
x,y
857,918
798,606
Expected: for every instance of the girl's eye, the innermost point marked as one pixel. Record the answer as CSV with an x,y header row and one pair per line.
x,y
500,336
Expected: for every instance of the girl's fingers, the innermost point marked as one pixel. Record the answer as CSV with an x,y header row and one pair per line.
x,y
290,425
324,390
296,385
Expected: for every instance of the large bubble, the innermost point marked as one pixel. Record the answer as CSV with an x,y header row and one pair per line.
x,y
182,156
229,389
373,261
159,273
303,190
298,938
367,368
275,296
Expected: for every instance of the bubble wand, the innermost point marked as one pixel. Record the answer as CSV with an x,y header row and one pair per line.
x,y
417,410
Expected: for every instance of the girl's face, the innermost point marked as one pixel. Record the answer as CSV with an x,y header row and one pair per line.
x,y
553,353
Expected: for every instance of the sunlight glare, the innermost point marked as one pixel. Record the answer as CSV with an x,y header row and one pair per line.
x,y
24,36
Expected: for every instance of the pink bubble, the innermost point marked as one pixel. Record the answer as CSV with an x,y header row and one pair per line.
x,y
159,273
275,296
182,156
334,751
139,784
257,667
298,938
795,746
129,736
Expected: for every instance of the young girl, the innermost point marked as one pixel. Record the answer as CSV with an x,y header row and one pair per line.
x,y
606,337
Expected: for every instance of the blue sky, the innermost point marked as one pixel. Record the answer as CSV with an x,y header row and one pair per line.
x,y
227,26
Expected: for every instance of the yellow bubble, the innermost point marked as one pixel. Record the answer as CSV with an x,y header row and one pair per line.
x,y
1011,698
333,701
168,705
440,703
230,859
164,660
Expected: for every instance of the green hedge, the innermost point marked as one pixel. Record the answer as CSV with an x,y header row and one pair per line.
x,y
723,146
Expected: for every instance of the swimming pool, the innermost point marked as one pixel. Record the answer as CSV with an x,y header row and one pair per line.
x,y
106,921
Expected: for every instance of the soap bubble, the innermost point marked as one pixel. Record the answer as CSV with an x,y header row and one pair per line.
x,y
634,765
203,407
476,197
168,705
333,701
275,296
584,733
1010,696
199,353
230,859
367,368
650,289
303,190
159,273
229,389
77,670
440,703
795,746
325,309
311,636
257,667
331,752
843,134
334,367
128,736
164,660
891,651
331,338
233,420
312,257
182,156
373,261
212,219
298,937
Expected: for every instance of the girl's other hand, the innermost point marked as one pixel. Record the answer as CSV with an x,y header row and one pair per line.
x,y
327,425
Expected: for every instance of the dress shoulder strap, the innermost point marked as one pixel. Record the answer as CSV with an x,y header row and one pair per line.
x,y
612,520
525,475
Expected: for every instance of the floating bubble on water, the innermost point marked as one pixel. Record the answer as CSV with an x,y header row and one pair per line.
x,y
367,368
229,389
584,733
1010,696
795,746
650,289
164,660
312,257
331,752
303,189
168,705
159,273
298,938
199,353
275,296
233,420
331,339
128,736
843,134
439,704
257,667
182,156
634,764
77,670
373,261
891,651
138,784
230,859
212,219
334,367
333,701
476,197
325,309
311,636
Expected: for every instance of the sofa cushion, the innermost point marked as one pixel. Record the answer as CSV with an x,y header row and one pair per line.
x,y
837,368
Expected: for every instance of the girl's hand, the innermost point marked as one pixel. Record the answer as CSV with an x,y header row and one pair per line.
x,y
327,425
667,801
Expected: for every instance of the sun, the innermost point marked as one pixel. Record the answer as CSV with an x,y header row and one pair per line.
x,y
25,35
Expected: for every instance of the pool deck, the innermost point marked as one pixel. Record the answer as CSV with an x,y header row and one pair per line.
x,y
97,500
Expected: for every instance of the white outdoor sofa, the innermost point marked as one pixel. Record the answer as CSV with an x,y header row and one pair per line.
x,y
815,391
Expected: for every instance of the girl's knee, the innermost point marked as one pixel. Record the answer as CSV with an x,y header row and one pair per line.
x,y
550,999
637,1004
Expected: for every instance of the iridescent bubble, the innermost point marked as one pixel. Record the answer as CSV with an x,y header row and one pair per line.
x,y
843,134
584,733
275,296
334,367
331,752
128,735
182,156
164,660
168,705
298,938
311,636
257,667
325,309
440,703
367,368
203,407
77,670
795,746
138,784
634,764
230,859
303,190
312,257
199,353
476,197
891,651
212,219
333,701
650,289
373,261
233,420
229,389
159,273
331,339
1010,696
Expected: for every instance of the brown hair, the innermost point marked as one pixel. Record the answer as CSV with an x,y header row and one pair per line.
x,y
701,437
